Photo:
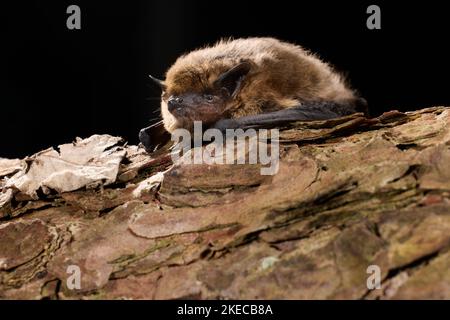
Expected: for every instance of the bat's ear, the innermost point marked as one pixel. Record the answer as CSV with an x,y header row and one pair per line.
x,y
158,82
231,80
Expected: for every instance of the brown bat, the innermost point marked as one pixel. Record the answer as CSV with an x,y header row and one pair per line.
x,y
251,83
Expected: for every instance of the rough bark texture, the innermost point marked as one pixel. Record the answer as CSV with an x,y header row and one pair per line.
x,y
350,193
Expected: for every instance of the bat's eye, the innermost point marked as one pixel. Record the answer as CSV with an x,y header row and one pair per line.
x,y
208,97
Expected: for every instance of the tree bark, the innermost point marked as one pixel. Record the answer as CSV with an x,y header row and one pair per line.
x,y
351,195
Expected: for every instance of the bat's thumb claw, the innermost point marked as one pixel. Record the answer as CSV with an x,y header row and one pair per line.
x,y
145,139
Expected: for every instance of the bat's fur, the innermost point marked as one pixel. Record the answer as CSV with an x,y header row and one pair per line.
x,y
281,75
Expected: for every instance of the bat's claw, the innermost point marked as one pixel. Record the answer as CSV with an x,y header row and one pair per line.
x,y
145,139
153,136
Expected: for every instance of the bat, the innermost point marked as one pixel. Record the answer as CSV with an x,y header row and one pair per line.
x,y
250,83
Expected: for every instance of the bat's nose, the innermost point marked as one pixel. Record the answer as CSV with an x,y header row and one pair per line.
x,y
174,103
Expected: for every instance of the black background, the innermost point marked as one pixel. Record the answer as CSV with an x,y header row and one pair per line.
x,y
58,83
167,309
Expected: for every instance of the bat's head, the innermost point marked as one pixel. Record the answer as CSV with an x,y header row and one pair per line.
x,y
200,93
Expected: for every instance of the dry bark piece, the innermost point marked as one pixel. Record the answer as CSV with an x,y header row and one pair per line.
x,y
85,163
10,166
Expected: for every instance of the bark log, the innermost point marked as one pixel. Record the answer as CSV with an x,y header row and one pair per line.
x,y
350,193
